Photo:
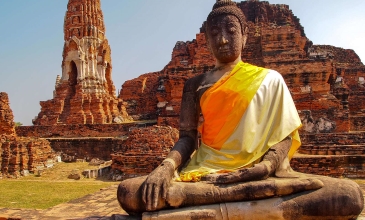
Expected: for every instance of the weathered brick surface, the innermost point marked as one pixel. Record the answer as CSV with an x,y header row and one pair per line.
x,y
6,115
19,153
80,130
339,154
169,121
328,166
72,149
335,166
25,154
144,150
357,110
139,96
85,93
328,139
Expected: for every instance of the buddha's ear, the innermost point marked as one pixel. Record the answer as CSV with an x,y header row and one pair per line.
x,y
208,42
244,37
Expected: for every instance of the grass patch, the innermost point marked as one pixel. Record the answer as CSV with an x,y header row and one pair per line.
x,y
43,195
50,189
60,172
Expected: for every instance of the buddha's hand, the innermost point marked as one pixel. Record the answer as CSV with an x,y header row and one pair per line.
x,y
258,172
157,184
224,178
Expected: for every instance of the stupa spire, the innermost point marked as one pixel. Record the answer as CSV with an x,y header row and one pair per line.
x,y
85,92
84,18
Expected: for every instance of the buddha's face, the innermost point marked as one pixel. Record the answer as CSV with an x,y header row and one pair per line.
x,y
225,38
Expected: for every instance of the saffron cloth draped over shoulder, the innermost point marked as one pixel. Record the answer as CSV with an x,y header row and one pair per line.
x,y
245,113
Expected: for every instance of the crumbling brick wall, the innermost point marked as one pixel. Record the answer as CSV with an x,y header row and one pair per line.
x,y
6,115
19,153
144,150
79,130
336,155
22,154
350,166
72,149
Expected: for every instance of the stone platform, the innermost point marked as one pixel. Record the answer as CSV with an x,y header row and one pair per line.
x,y
101,205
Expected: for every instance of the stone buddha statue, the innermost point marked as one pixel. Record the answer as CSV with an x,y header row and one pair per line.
x,y
249,133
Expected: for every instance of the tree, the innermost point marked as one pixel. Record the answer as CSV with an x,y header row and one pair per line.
x,y
18,124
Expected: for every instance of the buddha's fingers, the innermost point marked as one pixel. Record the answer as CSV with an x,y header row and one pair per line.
x,y
155,195
164,190
149,197
144,193
290,186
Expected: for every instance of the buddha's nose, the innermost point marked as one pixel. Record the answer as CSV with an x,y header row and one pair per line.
x,y
223,40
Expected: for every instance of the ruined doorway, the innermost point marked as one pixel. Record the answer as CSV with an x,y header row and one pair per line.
x,y
72,78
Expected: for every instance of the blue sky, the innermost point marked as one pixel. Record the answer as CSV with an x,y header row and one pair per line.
x,y
141,34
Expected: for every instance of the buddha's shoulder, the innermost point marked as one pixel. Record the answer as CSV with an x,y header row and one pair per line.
x,y
273,79
197,81
274,76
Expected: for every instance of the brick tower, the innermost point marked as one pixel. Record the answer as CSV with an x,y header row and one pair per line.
x,y
85,93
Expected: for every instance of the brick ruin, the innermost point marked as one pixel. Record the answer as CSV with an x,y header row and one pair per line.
x,y
80,130
85,93
19,154
326,82
144,150
332,154
6,116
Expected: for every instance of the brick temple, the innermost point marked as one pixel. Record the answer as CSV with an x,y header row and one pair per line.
x,y
85,93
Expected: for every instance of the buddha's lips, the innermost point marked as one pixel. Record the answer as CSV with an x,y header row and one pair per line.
x,y
224,50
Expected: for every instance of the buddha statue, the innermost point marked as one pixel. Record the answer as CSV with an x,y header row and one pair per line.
x,y
249,133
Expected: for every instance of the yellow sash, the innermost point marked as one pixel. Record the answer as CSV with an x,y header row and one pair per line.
x,y
224,103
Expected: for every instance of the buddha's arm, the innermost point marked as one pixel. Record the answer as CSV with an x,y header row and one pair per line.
x,y
270,164
158,181
189,118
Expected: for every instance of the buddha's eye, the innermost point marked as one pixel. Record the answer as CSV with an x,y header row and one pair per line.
x,y
232,28
214,31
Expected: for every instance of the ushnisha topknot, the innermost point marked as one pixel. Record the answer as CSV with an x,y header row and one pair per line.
x,y
226,7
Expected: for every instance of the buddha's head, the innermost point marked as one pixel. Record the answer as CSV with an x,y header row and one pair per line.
x,y
226,31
